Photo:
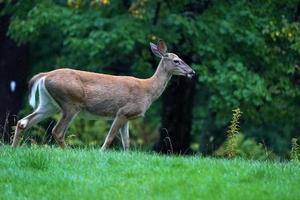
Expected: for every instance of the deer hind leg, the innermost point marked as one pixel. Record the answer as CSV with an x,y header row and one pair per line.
x,y
116,125
60,128
29,121
125,135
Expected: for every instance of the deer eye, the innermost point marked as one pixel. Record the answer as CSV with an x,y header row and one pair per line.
x,y
176,61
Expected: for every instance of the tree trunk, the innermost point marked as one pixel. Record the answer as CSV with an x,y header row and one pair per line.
x,y
177,105
13,71
177,100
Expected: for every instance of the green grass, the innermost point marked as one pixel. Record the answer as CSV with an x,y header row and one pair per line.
x,y
51,173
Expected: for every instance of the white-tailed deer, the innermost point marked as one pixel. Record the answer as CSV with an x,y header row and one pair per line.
x,y
70,91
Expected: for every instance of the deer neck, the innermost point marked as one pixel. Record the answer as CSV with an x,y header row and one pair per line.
x,y
159,81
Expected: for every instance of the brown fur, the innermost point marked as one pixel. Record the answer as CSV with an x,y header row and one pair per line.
x,y
99,94
122,97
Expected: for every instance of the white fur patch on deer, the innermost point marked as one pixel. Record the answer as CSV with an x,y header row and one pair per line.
x,y
23,123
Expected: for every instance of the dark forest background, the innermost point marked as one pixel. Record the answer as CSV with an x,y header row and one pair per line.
x,y
246,55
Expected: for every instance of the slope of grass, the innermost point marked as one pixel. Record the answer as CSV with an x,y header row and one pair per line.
x,y
51,173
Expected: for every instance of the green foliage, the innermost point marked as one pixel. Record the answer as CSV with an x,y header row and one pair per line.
x,y
90,174
245,148
84,132
246,54
244,67
92,133
236,145
143,134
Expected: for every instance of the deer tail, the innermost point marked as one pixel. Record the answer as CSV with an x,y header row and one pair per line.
x,y
33,86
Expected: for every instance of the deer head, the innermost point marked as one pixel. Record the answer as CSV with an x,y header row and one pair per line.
x,y
170,61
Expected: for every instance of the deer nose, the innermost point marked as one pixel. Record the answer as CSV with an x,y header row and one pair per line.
x,y
191,74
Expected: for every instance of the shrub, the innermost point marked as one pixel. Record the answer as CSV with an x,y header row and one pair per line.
x,y
246,148
237,145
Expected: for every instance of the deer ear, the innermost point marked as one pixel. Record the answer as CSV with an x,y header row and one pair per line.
x,y
162,47
155,50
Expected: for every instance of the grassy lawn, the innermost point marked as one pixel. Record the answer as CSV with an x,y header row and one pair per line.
x,y
51,173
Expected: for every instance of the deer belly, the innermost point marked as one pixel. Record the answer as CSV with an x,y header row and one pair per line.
x,y
106,108
91,116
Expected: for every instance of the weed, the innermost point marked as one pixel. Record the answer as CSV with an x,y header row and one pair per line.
x,y
295,151
232,133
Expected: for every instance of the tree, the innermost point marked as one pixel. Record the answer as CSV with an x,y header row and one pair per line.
x,y
13,73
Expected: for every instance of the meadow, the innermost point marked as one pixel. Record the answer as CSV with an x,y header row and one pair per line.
x,y
52,173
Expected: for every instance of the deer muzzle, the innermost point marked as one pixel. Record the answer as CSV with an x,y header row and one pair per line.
x,y
190,74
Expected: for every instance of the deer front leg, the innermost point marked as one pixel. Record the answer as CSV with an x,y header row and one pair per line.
x,y
119,121
125,135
